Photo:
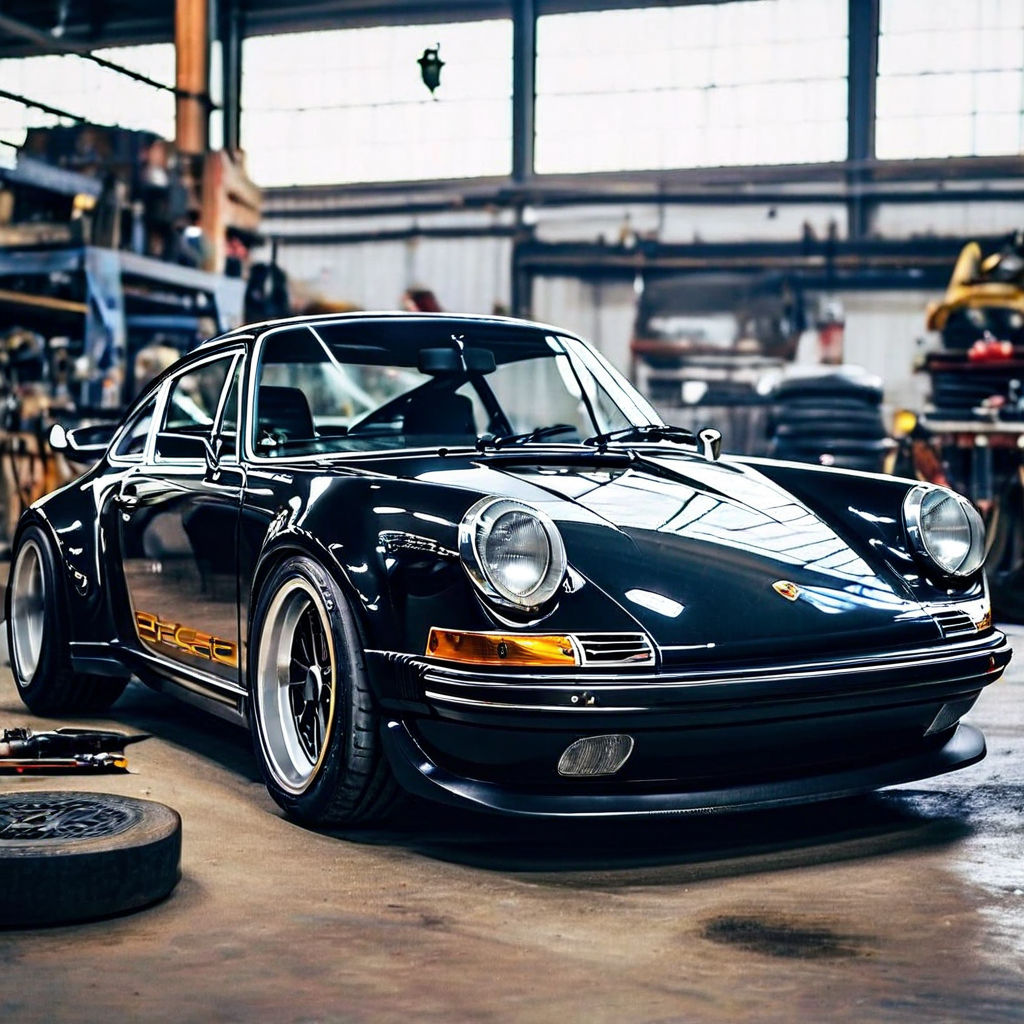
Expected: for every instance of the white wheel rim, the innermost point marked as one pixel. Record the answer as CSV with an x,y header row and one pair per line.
x,y
28,610
295,685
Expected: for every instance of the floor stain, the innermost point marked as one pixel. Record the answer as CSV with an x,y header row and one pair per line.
x,y
777,936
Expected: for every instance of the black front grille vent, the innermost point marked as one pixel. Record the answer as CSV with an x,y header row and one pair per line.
x,y
955,623
615,648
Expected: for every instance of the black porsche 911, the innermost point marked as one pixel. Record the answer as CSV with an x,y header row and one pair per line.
x,y
463,557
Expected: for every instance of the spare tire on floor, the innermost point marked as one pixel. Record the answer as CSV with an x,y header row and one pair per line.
x,y
72,856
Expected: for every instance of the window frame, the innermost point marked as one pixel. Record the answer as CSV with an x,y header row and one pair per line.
x,y
159,391
152,393
592,360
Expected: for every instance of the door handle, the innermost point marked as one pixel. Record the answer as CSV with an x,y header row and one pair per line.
x,y
127,497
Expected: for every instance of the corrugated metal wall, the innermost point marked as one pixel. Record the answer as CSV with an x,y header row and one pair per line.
x,y
468,275
602,313
882,334
473,273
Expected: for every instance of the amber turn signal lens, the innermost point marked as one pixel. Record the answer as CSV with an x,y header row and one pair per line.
x,y
985,622
500,648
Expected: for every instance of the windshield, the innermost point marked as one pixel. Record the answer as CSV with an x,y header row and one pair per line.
x,y
370,385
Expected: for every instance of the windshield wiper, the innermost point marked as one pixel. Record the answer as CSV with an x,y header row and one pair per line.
x,y
644,432
537,434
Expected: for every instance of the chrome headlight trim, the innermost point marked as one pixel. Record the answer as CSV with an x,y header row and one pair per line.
x,y
474,530
914,509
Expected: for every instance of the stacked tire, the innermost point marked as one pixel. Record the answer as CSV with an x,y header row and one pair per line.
x,y
832,418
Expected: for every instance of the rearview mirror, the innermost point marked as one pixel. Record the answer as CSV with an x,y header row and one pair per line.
x,y
83,444
436,361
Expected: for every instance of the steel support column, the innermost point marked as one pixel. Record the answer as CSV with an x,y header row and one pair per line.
x,y
863,25
524,80
524,98
231,31
192,75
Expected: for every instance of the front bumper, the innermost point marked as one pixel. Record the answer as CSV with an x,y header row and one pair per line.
x,y
705,740
418,774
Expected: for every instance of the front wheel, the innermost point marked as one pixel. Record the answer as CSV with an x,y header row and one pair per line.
x,y
315,729
37,636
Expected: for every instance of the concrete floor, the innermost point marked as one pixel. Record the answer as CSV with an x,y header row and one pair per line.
x,y
907,905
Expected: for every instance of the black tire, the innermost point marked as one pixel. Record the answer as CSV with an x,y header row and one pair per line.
x,y
350,780
74,856
50,686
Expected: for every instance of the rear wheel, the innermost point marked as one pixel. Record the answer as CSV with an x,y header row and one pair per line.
x,y
37,636
313,720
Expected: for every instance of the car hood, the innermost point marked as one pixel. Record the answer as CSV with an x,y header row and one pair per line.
x,y
711,555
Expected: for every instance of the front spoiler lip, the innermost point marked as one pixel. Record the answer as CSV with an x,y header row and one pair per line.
x,y
964,665
420,775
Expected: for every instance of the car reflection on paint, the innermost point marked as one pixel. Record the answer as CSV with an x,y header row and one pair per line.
x,y
462,557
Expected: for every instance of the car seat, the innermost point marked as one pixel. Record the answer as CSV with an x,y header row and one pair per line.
x,y
283,415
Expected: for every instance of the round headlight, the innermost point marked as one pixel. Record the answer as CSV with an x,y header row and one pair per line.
x,y
945,530
512,552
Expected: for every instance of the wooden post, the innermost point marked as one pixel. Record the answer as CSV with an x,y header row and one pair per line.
x,y
192,74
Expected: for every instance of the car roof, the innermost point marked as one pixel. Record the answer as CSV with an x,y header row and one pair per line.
x,y
248,332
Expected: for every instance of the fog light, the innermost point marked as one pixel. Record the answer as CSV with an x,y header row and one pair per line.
x,y
596,755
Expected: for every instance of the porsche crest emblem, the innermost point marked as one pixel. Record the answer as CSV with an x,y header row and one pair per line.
x,y
790,591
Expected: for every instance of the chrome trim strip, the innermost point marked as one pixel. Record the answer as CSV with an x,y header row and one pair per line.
x,y
956,652
657,709
176,668
451,699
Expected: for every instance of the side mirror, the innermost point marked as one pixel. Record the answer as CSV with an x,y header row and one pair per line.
x,y
58,438
83,444
183,446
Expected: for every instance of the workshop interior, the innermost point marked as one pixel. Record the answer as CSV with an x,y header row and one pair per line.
x,y
512,510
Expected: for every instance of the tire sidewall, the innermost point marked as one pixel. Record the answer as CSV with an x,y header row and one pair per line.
x,y
317,796
62,880
54,603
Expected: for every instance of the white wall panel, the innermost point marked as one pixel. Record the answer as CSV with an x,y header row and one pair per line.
x,y
894,220
718,223
468,275
369,274
751,223
882,332
603,313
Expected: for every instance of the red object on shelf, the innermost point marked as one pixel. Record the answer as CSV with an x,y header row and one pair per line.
x,y
989,350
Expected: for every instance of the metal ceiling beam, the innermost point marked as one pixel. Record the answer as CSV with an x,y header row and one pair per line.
x,y
504,197
44,107
828,263
49,44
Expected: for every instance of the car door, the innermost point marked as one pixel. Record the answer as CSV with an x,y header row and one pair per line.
x,y
177,529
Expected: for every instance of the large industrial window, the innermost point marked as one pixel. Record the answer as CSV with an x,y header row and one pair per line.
x,y
90,91
950,78
348,105
754,82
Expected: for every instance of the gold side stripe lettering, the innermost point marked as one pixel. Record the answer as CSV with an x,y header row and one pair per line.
x,y
154,630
